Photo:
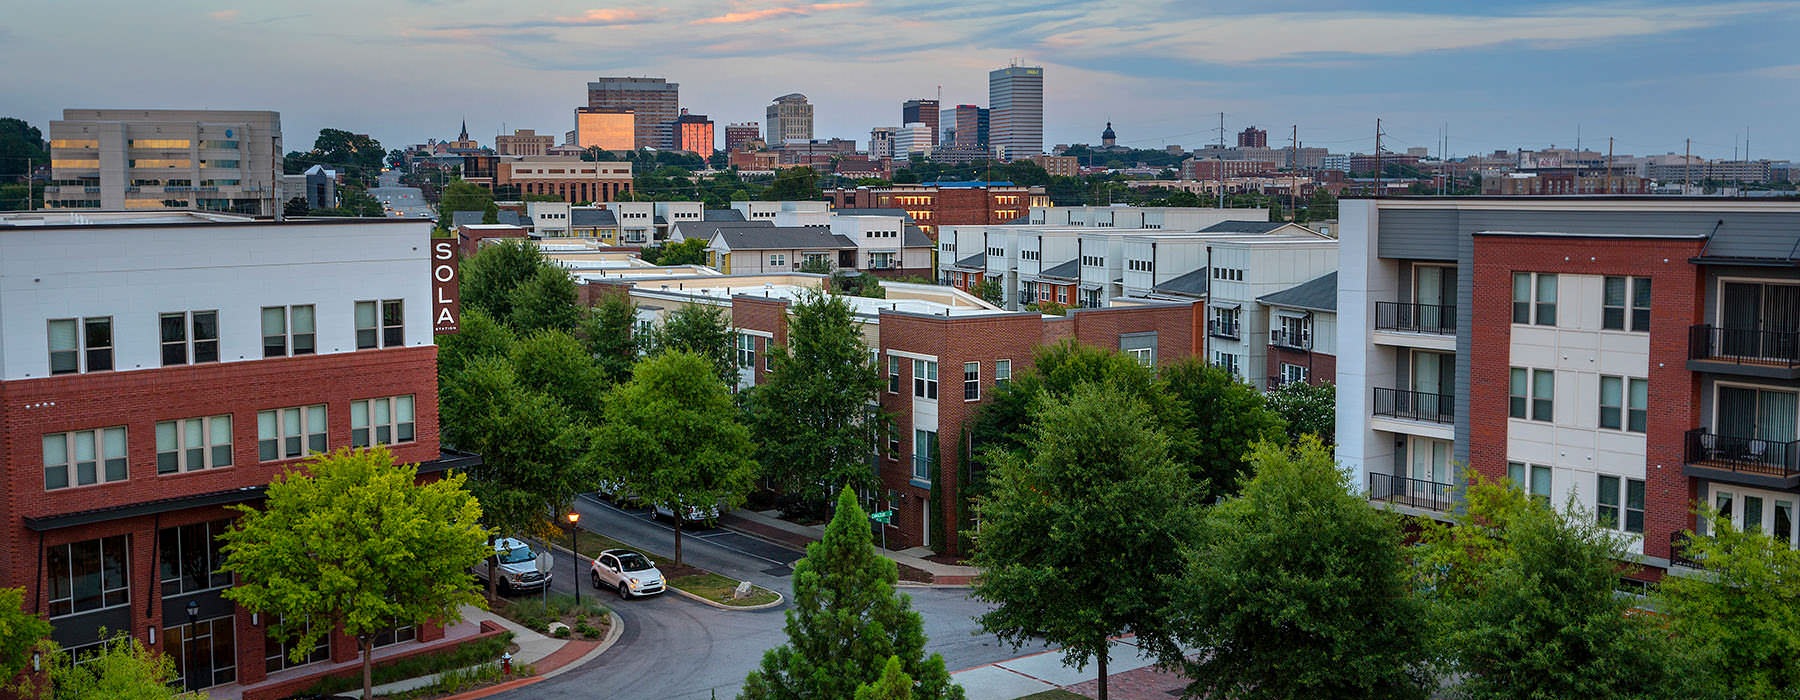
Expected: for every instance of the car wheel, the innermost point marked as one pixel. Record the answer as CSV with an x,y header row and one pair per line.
x,y
623,593
506,587
595,575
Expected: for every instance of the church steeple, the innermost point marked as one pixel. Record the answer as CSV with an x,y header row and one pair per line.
x,y
464,136
1108,138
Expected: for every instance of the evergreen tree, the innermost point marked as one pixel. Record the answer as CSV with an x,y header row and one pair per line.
x,y
893,684
846,621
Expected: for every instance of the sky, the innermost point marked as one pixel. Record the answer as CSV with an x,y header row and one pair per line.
x,y
1501,74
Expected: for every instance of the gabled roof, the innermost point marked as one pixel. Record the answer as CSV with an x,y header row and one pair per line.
x,y
704,230
1318,294
722,215
1069,270
593,218
507,216
1244,227
782,238
1192,284
913,237
978,261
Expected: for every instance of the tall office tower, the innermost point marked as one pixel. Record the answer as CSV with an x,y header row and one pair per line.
x,y
1016,94
881,142
694,133
971,125
1253,137
921,112
523,142
607,130
655,101
736,135
790,118
210,160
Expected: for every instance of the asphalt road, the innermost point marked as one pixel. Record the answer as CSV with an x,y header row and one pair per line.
x,y
677,649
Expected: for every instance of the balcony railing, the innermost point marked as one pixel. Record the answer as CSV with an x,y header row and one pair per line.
x,y
1678,550
1743,455
1744,346
1222,330
1415,405
1415,318
1417,493
1291,340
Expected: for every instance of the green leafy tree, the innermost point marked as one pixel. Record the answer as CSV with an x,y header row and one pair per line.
x,y
491,214
1307,409
703,330
1301,590
122,668
357,154
493,272
559,365
812,418
1081,539
893,684
1523,604
846,621
818,265
691,251
672,436
1227,417
1321,205
355,543
461,195
989,291
20,632
609,332
20,143
1739,625
545,301
478,335
794,184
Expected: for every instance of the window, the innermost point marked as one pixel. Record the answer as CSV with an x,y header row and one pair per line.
x,y
276,652
893,374
290,432
925,379
386,331
1614,306
190,336
1624,403
383,421
190,557
1226,361
1002,373
1770,512
211,644
1517,393
882,261
1534,388
925,449
971,381
1291,373
80,345
1224,322
1534,298
193,444
1535,479
746,351
1062,295
1614,492
778,260
90,575
287,330
84,457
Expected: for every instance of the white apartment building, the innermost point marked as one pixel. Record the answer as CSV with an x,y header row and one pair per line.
x,y
137,159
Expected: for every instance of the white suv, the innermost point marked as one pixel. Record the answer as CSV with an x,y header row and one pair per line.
x,y
517,567
629,573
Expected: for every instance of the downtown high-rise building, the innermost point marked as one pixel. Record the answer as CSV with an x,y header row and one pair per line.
x,y
1016,96
789,119
654,102
971,123
737,135
921,112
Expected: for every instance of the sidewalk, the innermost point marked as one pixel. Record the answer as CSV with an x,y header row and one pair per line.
x,y
1128,668
766,526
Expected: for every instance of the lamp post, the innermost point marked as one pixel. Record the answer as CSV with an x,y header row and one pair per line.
x,y
575,546
187,646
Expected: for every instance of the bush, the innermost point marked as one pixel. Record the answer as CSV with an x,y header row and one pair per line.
x,y
464,656
562,633
587,630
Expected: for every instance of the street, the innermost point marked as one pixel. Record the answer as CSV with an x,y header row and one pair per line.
x,y
679,649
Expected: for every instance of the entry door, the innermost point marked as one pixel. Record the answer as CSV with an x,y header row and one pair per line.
x,y
205,652
925,522
1430,461
1434,288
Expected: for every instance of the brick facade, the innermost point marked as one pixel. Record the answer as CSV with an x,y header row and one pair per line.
x,y
1320,367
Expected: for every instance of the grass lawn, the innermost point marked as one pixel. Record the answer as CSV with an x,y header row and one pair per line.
x,y
692,579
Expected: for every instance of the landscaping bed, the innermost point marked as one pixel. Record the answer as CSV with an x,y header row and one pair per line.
x,y
588,620
450,662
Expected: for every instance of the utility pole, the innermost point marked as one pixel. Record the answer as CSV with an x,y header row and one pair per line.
x,y
1378,156
1609,170
1221,173
1293,172
1687,167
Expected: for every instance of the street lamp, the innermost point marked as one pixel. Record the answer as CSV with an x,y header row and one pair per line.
x,y
575,545
187,647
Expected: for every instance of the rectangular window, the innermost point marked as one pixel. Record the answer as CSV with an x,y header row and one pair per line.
x,y
746,351
90,575
1620,504
1543,393
1517,393
189,336
80,344
387,330
1612,402
925,379
1606,502
777,260
189,558
1002,373
287,330
1534,298
1540,482
1227,361
84,457
893,374
193,444
971,381
1637,405
382,421
1546,300
1625,304
288,433
276,652
1640,304
1291,373
1521,297
924,452
1612,304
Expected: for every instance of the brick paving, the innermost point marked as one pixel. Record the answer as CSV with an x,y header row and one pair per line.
x,y
1147,683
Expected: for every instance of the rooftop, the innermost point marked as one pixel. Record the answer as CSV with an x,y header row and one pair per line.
x,y
1318,294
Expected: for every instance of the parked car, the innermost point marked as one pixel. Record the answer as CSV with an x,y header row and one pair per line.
x,y
706,515
516,567
630,573
615,491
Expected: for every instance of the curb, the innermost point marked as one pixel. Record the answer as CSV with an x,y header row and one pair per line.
x,y
615,628
779,599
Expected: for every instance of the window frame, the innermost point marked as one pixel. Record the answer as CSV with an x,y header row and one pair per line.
x,y
893,372
372,426
213,454
89,354
924,449
305,436
288,333
62,603
214,558
971,381
925,379
101,461
1002,373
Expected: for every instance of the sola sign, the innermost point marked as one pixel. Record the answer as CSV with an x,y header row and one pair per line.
x,y
445,290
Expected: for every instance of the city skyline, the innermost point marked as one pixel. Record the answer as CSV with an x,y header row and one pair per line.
x,y
1531,74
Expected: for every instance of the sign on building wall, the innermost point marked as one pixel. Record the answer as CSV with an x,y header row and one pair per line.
x,y
446,300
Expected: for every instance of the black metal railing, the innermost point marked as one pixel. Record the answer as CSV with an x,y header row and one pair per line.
x,y
1417,493
1678,550
1745,455
1222,330
1744,346
1415,318
1283,338
1415,405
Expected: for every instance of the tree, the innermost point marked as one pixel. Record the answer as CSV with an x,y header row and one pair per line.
x,y
493,272
1300,589
816,265
20,632
989,291
893,684
794,184
1738,625
357,154
490,214
689,251
122,668
812,418
609,333
461,195
1227,416
1308,409
295,207
557,364
1321,206
1522,598
545,301
672,437
702,330
20,144
846,621
478,335
1081,538
355,543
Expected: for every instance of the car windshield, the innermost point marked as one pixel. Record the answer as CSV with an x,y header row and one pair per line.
x,y
516,555
634,562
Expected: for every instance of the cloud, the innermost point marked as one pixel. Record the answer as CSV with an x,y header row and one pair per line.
x,y
1789,72
603,16
223,15
766,13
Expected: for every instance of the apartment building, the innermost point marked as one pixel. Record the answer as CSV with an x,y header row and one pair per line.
x,y
938,204
146,159
158,367
880,245
1636,355
648,223
568,178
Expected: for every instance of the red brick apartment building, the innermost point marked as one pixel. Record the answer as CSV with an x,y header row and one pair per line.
x,y
156,369
945,203
1639,355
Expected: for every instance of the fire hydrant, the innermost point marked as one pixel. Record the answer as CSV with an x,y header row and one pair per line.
x,y
506,663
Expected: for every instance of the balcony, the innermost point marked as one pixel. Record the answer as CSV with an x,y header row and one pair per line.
x,y
1415,318
1218,329
1752,352
1412,493
1414,405
1748,461
1291,340
1678,551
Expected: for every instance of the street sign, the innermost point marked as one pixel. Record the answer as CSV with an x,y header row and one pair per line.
x,y
885,517
544,562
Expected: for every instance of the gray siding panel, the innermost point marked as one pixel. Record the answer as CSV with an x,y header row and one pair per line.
x,y
1418,234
